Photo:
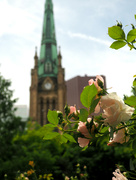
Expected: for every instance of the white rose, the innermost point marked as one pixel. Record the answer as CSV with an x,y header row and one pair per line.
x,y
114,110
118,175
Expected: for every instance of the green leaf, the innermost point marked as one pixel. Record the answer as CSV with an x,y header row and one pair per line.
x,y
62,139
104,129
111,132
50,135
69,137
135,16
87,95
53,117
131,164
50,126
115,32
131,101
134,145
84,149
131,36
83,115
118,44
94,104
134,82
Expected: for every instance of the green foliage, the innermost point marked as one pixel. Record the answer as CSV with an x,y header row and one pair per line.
x,y
131,101
115,32
51,135
10,126
49,156
134,82
69,137
93,105
118,44
53,117
88,95
83,115
118,34
131,36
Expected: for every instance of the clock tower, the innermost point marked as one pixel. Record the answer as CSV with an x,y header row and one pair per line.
x,y
48,89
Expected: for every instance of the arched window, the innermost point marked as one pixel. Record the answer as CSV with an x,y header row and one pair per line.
x,y
47,104
47,109
48,67
53,104
42,111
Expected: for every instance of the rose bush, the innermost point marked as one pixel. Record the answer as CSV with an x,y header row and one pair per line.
x,y
114,120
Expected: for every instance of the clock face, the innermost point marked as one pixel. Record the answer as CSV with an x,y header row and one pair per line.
x,y
48,86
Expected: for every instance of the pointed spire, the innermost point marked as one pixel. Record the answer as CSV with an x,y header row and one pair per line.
x,y
48,51
59,56
35,52
49,5
36,57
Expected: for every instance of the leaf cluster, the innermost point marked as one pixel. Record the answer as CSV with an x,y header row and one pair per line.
x,y
62,126
117,33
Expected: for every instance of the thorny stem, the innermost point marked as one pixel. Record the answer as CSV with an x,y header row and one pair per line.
x,y
70,130
130,45
124,127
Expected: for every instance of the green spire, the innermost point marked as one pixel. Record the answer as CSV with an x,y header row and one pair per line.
x,y
48,61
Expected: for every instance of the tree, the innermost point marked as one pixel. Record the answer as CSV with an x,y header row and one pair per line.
x,y
10,125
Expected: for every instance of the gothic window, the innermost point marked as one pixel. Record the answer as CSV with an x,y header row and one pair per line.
x,y
47,108
53,104
42,111
47,104
48,67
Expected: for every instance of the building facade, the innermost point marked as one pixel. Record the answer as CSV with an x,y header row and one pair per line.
x,y
48,89
75,87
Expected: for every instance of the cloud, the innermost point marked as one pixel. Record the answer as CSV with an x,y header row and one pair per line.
x,y
90,38
15,20
84,37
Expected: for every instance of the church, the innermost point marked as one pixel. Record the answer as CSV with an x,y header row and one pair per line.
x,y
48,89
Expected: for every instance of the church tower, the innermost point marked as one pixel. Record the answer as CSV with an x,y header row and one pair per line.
x,y
48,89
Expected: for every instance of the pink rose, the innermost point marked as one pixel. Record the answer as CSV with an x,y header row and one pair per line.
x,y
119,137
114,110
83,142
83,129
91,81
72,109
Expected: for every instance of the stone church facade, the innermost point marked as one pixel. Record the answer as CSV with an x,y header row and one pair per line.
x,y
48,89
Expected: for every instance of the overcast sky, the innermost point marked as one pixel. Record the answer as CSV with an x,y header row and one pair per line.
x,y
81,31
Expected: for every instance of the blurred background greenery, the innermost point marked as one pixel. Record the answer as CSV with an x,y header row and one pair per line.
x,y
21,142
